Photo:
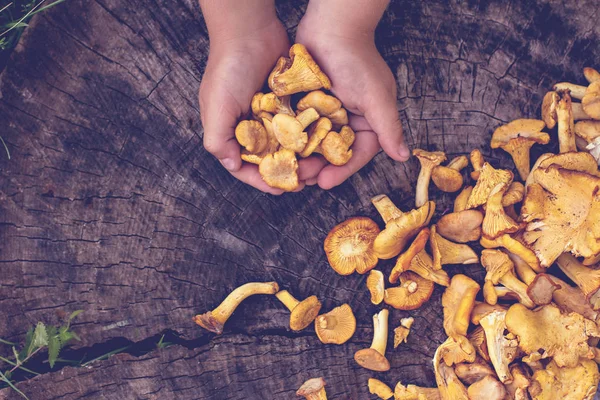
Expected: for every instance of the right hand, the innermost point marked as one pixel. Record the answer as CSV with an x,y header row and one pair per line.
x,y
237,68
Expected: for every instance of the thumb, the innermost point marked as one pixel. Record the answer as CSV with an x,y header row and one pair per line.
x,y
382,116
219,120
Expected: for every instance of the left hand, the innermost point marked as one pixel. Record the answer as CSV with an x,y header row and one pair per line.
x,y
366,86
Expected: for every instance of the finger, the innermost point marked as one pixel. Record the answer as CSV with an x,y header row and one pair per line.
x,y
359,123
219,122
311,182
364,149
248,174
310,167
382,115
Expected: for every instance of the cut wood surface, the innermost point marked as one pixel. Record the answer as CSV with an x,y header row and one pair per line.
x,y
110,203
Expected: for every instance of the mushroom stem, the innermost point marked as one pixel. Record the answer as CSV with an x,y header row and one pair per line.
x,y
380,334
215,319
477,162
578,113
524,271
566,124
287,299
458,163
586,278
577,91
422,190
386,208
307,117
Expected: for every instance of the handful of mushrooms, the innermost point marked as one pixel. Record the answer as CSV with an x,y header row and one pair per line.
x,y
278,134
524,332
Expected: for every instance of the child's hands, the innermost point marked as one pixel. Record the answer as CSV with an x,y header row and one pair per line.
x,y
361,80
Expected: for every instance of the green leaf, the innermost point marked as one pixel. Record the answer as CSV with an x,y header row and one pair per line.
x,y
73,315
40,336
16,354
54,344
64,335
28,348
13,387
15,24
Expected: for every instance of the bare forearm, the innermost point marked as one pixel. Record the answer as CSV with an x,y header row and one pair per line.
x,y
232,19
346,16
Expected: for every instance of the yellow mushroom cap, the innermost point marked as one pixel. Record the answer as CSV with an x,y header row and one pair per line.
x,y
463,226
349,246
549,104
337,326
304,313
372,359
380,389
412,293
313,387
323,103
316,133
591,100
278,170
489,178
376,286
251,135
299,73
335,147
447,179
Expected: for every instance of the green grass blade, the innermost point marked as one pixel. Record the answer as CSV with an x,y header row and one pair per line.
x,y
13,387
105,356
6,360
8,154
2,340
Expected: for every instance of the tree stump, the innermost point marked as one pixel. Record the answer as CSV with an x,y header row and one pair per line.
x,y
110,203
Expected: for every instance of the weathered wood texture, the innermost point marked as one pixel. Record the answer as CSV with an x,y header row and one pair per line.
x,y
111,204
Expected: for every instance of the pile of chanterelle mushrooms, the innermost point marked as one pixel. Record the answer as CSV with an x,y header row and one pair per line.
x,y
527,334
278,133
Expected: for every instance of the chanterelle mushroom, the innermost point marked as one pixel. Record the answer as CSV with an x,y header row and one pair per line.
x,y
313,389
429,160
577,91
272,104
470,373
460,202
398,231
376,286
450,387
500,269
299,73
326,105
446,252
272,146
458,301
303,313
586,278
412,293
316,133
496,222
215,319
278,170
549,107
422,264
402,331
373,358
515,247
380,389
412,392
386,208
489,178
448,178
252,136
335,147
591,100
337,326
546,332
566,123
289,130
570,221
463,226
501,348
477,162
514,194
488,388
576,383
517,138
349,246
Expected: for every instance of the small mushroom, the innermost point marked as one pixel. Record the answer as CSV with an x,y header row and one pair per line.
x,y
373,358
349,246
488,388
271,104
591,74
251,135
272,145
303,313
496,222
577,91
429,160
380,389
403,262
299,73
460,203
477,162
549,106
517,138
489,178
448,178
500,269
422,264
470,373
450,387
477,339
591,100
514,194
566,124
458,301
402,331
501,348
398,231
386,208
586,278
541,289
278,170
335,147
289,130
313,389
326,105
572,299
412,392
337,326
446,252
316,133
515,247
214,320
376,286
412,293
462,227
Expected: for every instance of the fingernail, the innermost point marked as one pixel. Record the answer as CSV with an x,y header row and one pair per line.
x,y
404,152
228,163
